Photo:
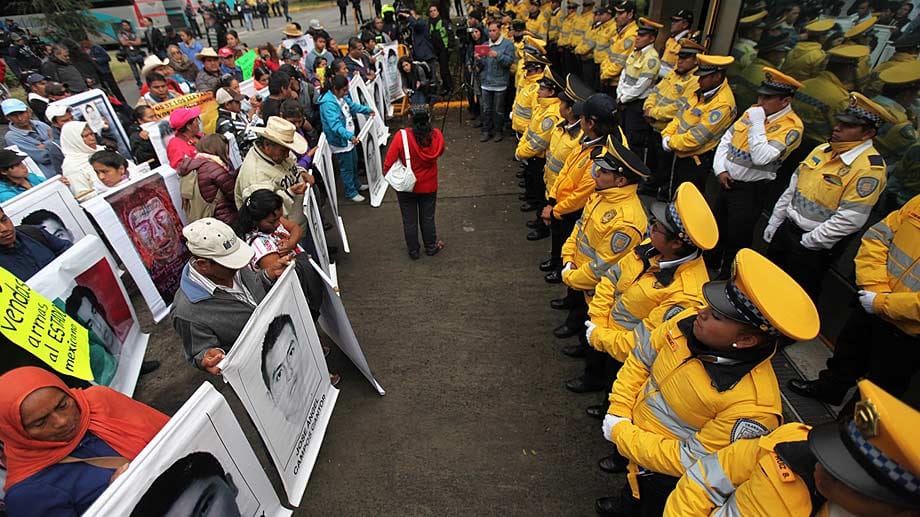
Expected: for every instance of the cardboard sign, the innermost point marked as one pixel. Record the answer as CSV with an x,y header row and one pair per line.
x,y
246,63
31,321
322,163
205,101
51,206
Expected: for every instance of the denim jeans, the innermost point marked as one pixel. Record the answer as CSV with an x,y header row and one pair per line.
x,y
493,111
247,21
136,62
348,164
418,210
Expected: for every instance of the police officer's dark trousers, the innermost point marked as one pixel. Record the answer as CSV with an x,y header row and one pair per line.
x,y
736,212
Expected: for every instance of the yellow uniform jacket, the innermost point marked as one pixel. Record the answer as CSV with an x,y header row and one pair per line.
x,y
682,407
580,27
892,140
755,152
563,140
745,52
639,75
537,26
874,84
747,478
700,123
818,103
669,53
637,295
566,28
617,53
574,185
830,196
554,27
888,263
585,46
668,96
604,36
536,138
524,102
746,84
805,60
611,225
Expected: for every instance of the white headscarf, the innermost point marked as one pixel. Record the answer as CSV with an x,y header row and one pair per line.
x,y
76,166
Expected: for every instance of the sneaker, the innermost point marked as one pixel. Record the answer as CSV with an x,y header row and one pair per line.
x,y
358,198
363,187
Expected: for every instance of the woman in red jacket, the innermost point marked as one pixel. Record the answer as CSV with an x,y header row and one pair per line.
x,y
426,144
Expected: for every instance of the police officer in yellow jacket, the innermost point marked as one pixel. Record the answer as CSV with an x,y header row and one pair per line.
x,y
807,57
680,28
554,32
622,44
899,92
662,105
695,132
533,144
703,380
567,37
594,38
880,339
770,53
868,466
660,279
636,83
744,50
564,137
536,23
580,27
746,162
861,34
829,197
573,185
611,225
907,47
522,110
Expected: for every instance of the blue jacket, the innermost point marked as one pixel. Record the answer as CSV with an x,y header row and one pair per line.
x,y
63,490
196,48
9,191
29,141
493,71
422,48
334,118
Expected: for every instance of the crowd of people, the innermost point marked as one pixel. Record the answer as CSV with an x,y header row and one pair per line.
x,y
677,317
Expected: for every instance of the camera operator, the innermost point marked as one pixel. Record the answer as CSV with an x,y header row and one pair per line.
x,y
389,28
475,36
416,79
422,49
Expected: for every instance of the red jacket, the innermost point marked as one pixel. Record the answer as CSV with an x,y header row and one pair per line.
x,y
424,159
212,176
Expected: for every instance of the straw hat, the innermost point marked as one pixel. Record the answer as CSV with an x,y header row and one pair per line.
x,y
151,63
205,53
292,31
283,133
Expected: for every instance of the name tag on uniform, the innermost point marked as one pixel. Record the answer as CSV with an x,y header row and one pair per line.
x,y
785,473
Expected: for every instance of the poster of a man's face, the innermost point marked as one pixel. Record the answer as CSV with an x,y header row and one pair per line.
x,y
394,82
196,485
50,222
50,206
315,224
147,214
83,306
283,367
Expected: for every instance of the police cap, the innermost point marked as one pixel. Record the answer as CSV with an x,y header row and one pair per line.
x,y
600,107
616,157
688,217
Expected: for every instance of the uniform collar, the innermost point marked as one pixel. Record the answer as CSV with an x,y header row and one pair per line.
x,y
725,368
673,264
617,194
779,114
848,157
585,143
706,96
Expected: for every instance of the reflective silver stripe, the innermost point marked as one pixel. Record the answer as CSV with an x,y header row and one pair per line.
x,y
879,231
709,475
537,142
743,158
809,209
597,264
522,111
701,134
781,147
553,163
692,450
623,316
729,509
898,262
644,351
662,412
629,80
853,206
613,274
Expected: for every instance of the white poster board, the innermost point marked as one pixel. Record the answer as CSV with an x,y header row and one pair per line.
x,y
305,42
335,323
94,108
373,165
322,162
142,223
50,205
393,79
360,94
199,459
278,370
85,279
378,91
315,225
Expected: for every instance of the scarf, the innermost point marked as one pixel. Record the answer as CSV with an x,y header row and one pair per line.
x,y
124,424
76,166
842,147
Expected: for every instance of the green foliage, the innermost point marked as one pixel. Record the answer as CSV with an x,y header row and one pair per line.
x,y
63,18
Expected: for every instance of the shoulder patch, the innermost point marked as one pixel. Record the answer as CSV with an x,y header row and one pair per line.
x,y
673,311
866,186
620,242
715,116
746,428
547,124
876,161
627,43
792,137
652,63
608,216
773,128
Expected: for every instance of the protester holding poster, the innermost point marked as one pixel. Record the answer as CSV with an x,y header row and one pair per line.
x,y
78,142
65,446
336,109
15,177
187,125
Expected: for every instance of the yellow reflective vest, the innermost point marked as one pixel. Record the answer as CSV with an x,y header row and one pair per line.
x,y
617,53
580,27
537,26
679,410
554,28
611,225
574,184
888,263
536,138
805,60
636,296
524,102
745,478
566,29
563,140
818,102
669,55
668,96
699,124
604,36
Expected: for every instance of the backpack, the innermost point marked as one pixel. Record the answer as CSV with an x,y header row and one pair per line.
x,y
193,202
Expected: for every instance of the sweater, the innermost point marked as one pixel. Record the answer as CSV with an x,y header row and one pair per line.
x,y
424,159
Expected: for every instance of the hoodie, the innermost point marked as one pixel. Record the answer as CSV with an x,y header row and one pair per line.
x,y
424,159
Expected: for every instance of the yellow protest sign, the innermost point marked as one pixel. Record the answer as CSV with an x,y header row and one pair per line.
x,y
205,101
31,321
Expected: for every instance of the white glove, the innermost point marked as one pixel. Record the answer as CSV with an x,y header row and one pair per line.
x,y
867,299
610,421
757,115
664,143
591,326
768,233
804,243
568,267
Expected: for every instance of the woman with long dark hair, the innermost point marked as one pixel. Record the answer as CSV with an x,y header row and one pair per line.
x,y
471,70
415,80
425,144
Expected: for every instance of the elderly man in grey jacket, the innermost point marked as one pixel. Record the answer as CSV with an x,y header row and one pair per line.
x,y
494,77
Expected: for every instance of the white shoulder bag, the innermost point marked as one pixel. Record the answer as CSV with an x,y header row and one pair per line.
x,y
400,176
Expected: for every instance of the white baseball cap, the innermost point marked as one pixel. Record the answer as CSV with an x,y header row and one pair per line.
x,y
55,110
212,239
